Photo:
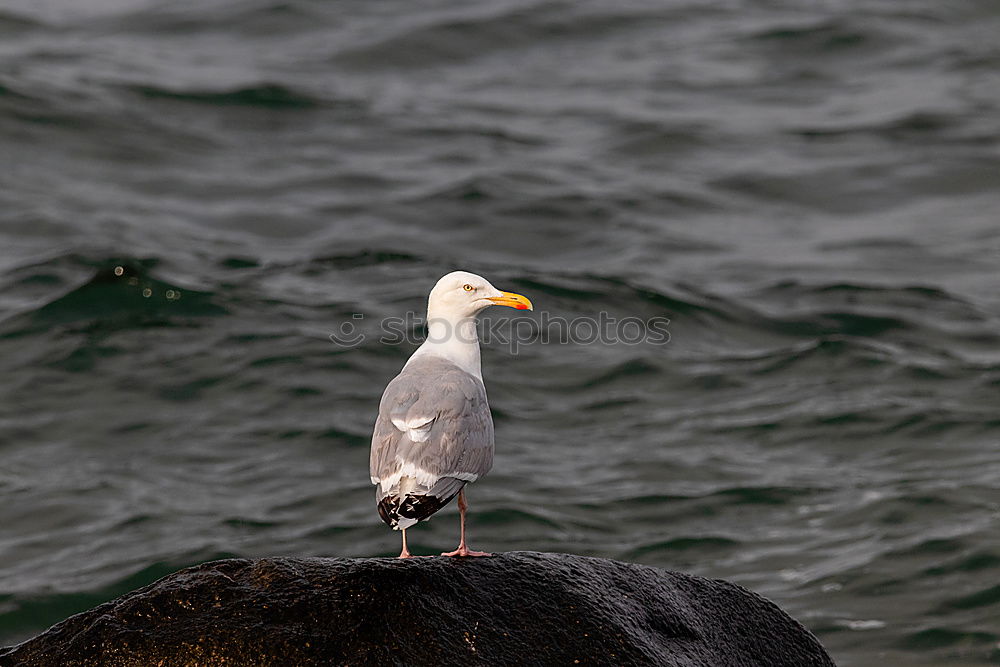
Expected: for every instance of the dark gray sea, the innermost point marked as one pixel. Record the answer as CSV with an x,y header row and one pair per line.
x,y
194,196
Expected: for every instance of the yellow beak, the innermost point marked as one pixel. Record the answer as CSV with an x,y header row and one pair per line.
x,y
513,300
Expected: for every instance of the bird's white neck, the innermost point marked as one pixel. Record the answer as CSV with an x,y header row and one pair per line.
x,y
455,340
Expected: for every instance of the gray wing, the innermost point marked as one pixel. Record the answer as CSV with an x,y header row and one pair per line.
x,y
434,433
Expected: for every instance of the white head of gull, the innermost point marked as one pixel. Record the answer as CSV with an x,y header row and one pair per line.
x,y
434,431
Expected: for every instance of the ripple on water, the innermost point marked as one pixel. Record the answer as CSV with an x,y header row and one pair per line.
x,y
118,294
263,95
706,545
945,637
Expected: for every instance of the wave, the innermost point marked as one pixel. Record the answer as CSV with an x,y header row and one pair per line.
x,y
263,95
521,517
860,309
974,562
254,17
908,127
847,188
10,92
625,372
825,38
705,545
478,33
986,597
764,495
362,258
832,315
12,23
119,293
595,288
943,637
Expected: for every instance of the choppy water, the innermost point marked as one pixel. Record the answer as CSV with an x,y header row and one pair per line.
x,y
809,191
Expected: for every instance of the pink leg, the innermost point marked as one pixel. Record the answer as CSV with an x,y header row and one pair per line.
x,y
405,553
462,549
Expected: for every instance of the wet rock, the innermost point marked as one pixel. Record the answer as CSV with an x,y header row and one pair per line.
x,y
513,609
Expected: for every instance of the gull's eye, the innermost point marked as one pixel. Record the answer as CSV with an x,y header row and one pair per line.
x,y
467,287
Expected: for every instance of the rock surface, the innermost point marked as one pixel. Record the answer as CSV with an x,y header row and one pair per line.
x,y
519,608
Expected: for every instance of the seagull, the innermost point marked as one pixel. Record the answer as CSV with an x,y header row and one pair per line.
x,y
434,431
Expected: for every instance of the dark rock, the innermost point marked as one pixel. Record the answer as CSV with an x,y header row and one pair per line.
x,y
519,608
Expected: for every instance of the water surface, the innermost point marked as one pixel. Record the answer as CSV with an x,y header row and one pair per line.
x,y
193,197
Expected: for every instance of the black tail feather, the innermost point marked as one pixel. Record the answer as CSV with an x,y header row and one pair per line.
x,y
393,508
